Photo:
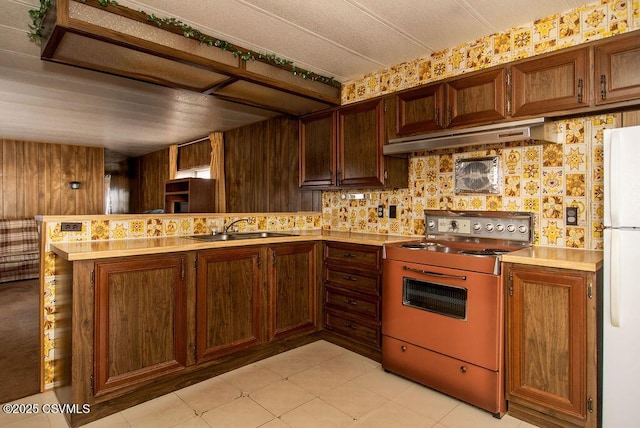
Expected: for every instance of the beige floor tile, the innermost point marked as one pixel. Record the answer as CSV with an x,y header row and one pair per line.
x,y
112,421
316,413
349,365
353,399
393,415
465,415
195,422
275,423
240,413
427,402
317,380
318,352
382,383
251,378
281,397
31,404
285,364
165,411
33,421
208,394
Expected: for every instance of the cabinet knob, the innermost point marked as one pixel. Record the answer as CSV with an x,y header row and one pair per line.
x,y
463,369
349,278
403,348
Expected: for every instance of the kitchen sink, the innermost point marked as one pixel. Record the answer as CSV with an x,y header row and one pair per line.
x,y
238,235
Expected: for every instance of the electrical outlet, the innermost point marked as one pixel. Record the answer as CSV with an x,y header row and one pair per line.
x,y
572,216
70,227
380,211
392,211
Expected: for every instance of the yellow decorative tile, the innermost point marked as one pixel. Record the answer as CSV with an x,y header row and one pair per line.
x,y
99,230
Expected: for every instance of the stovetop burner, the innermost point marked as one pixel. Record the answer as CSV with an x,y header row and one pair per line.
x,y
466,240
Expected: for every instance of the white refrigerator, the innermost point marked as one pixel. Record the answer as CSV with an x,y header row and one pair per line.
x,y
621,292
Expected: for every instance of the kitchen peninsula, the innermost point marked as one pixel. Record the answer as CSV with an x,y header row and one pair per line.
x,y
137,318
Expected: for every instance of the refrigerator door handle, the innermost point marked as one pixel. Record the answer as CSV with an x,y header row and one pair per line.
x,y
614,279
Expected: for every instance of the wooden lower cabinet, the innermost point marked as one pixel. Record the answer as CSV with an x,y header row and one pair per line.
x,y
352,302
133,328
228,301
141,324
551,325
291,273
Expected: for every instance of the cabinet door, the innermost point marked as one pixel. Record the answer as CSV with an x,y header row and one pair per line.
x,y
553,83
292,289
318,150
476,99
547,342
360,142
140,321
228,301
420,110
617,65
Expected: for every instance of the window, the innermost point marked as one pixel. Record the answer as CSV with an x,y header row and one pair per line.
x,y
196,172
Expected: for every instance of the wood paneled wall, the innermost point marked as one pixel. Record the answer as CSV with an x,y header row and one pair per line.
x,y
152,170
261,168
34,178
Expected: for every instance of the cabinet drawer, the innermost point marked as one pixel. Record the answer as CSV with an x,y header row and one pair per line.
x,y
353,255
351,280
368,306
356,330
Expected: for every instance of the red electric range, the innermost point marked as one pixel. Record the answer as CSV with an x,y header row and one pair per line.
x,y
443,303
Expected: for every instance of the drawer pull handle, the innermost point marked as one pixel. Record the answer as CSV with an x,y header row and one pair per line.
x,y
349,278
349,325
463,369
351,302
349,255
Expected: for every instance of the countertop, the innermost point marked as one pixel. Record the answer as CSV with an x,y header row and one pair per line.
x,y
565,258
90,250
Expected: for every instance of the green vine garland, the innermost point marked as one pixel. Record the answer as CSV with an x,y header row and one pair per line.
x,y
38,35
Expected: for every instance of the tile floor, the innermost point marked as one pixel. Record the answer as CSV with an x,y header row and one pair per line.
x,y
318,385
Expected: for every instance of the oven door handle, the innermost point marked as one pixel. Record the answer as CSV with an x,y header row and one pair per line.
x,y
441,275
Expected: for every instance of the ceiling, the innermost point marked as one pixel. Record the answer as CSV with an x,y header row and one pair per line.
x,y
344,39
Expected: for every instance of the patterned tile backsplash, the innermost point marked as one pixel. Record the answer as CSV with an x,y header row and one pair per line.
x,y
540,178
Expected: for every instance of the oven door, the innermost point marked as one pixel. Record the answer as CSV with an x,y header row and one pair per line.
x,y
452,312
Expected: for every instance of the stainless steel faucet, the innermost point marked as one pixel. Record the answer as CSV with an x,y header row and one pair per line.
x,y
225,229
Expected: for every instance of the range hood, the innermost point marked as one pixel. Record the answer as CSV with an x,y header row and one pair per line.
x,y
538,129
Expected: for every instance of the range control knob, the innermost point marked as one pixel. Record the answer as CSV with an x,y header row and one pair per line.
x,y
477,226
523,229
454,225
489,227
500,227
431,224
511,228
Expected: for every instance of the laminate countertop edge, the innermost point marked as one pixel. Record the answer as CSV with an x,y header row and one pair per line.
x,y
90,250
564,258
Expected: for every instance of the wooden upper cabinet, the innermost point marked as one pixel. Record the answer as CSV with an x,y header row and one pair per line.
x,y
420,110
463,101
343,148
552,83
478,98
360,142
318,150
617,69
